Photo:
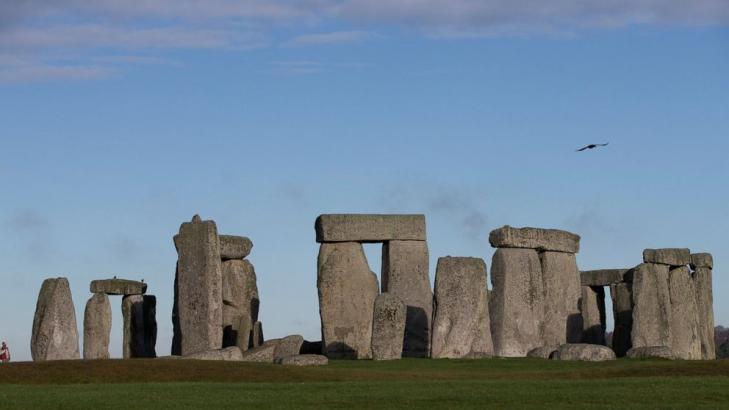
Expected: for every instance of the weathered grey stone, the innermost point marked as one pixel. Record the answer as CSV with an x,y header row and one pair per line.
x,y
652,306
461,319
305,360
517,302
667,256
234,247
150,326
118,287
405,275
685,341
230,354
140,326
388,327
240,302
535,238
288,346
592,306
584,352
347,291
544,352
261,354
55,335
702,260
562,292
97,327
622,296
199,287
369,228
705,306
650,352
257,335
605,277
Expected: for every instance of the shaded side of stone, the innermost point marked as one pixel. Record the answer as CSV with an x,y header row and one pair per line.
x,y
257,335
369,228
240,303
592,306
535,238
705,306
651,306
562,292
622,296
388,327
55,333
97,327
685,340
133,316
150,325
176,349
604,277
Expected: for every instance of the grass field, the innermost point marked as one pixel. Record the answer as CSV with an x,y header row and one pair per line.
x,y
409,383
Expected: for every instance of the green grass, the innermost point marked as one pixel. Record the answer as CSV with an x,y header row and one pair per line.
x,y
495,383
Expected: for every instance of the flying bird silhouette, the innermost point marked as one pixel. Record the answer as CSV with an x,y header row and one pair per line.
x,y
592,146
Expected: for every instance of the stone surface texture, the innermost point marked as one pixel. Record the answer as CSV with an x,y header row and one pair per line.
x,y
650,352
544,352
261,354
240,303
288,346
562,293
622,296
234,247
535,238
652,306
97,327
702,260
369,228
229,354
305,360
592,306
133,317
257,335
667,256
604,277
685,340
705,307
388,327
118,287
55,334
584,352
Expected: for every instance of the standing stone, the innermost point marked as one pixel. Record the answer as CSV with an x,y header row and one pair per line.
x,y
652,306
240,302
97,327
133,314
405,275
517,302
369,228
535,238
257,335
199,287
461,320
592,306
562,292
388,327
176,349
150,326
685,341
667,256
622,296
347,292
55,335
705,306
234,247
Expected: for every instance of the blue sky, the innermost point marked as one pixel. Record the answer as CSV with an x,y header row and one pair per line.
x,y
120,120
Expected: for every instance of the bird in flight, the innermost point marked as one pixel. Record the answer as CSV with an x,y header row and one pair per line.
x,y
592,146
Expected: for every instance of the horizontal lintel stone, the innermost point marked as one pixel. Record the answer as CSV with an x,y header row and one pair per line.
x,y
605,277
234,247
668,256
118,287
535,238
369,228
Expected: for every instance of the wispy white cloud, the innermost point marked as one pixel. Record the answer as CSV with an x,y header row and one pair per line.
x,y
304,67
335,37
40,71
134,59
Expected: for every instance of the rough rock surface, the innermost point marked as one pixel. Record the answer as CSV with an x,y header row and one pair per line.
x,y
705,306
461,320
347,292
405,275
535,238
592,306
702,260
232,353
261,354
305,360
650,352
257,335
55,335
622,296
133,315
667,256
584,352
605,277
652,306
288,346
685,341
562,292
544,352
369,228
516,302
199,287
234,247
118,287
388,327
240,302
97,327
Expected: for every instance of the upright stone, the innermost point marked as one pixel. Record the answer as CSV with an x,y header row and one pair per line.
x,y
622,296
199,287
516,302
652,306
150,326
97,327
240,303
369,228
388,327
405,275
55,335
592,306
562,292
133,315
535,238
257,335
685,340
667,256
702,277
347,291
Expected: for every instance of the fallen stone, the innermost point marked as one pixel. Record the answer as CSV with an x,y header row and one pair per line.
x,y
234,247
461,319
261,354
562,293
369,228
702,260
622,296
516,302
605,277
405,275
650,352
535,238
584,352
97,327
388,327
667,256
240,302
544,352
705,306
118,287
347,291
652,306
305,360
199,287
55,335
228,354
592,306
685,340
288,346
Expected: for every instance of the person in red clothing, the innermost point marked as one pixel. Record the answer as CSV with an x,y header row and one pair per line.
x,y
4,353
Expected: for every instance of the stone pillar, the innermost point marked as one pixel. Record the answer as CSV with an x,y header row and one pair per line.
x,y
652,306
388,327
592,305
257,335
150,326
562,292
97,327
702,265
405,275
240,302
133,315
55,334
622,296
685,340
461,324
